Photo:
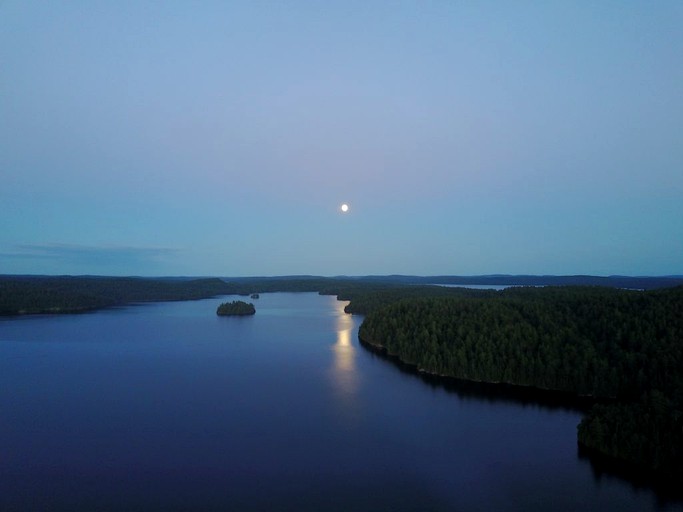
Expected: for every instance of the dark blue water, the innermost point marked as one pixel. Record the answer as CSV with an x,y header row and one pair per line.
x,y
169,407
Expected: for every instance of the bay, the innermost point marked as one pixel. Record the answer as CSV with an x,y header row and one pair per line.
x,y
167,406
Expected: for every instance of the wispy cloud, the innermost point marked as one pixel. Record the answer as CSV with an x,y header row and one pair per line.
x,y
91,258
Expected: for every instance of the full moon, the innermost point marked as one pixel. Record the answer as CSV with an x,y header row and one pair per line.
x,y
345,208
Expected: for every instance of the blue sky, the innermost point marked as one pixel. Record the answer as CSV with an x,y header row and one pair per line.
x,y
220,138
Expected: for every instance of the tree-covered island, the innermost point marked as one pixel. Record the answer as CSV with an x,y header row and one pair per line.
x,y
236,308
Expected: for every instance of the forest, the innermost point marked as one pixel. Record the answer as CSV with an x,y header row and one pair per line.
x,y
45,295
620,347
235,308
22,295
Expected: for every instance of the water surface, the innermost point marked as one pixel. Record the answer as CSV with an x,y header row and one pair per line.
x,y
168,407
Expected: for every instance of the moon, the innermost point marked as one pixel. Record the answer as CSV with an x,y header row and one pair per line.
x,y
344,208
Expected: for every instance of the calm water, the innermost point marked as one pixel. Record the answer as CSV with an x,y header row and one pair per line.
x,y
475,286
486,286
169,407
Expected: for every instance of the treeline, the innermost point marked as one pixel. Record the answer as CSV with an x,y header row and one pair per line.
x,y
32,295
235,308
66,294
635,283
601,342
367,297
20,295
642,434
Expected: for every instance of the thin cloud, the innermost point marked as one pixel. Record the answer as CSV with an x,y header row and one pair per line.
x,y
90,255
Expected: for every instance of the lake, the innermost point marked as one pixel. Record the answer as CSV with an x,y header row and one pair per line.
x,y
167,406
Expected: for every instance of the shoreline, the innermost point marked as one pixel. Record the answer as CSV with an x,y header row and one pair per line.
x,y
503,390
665,486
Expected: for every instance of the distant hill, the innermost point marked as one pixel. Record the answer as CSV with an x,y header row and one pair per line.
x,y
638,282
615,281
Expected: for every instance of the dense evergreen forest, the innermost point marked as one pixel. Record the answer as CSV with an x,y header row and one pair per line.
x,y
620,345
32,295
235,308
367,297
21,295
70,294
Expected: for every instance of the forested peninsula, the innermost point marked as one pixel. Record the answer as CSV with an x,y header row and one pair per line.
x,y
622,346
66,294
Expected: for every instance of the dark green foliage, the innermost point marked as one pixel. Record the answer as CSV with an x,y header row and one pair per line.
x,y
66,294
648,433
367,297
601,342
249,285
235,308
592,341
73,294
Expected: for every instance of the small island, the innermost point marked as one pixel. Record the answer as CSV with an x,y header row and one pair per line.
x,y
236,308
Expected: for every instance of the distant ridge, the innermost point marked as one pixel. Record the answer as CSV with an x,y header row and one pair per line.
x,y
614,281
639,282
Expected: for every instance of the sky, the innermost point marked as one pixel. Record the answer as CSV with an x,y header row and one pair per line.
x,y
221,138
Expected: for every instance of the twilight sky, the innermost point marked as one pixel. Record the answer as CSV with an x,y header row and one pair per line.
x,y
220,138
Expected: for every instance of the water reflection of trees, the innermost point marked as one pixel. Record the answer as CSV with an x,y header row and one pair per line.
x,y
487,392
551,400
